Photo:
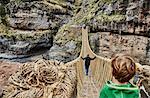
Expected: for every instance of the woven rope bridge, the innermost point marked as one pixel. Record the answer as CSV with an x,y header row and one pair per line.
x,y
99,71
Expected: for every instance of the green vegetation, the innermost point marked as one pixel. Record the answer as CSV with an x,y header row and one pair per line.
x,y
4,2
3,29
110,18
107,1
7,33
86,15
2,11
19,1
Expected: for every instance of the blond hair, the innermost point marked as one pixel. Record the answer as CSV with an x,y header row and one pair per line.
x,y
123,67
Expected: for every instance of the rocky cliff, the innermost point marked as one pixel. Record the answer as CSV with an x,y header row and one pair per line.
x,y
31,25
125,27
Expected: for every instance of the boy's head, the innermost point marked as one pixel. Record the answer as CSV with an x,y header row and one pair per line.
x,y
123,67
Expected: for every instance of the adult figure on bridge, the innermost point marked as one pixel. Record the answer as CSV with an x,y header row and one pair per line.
x,y
87,62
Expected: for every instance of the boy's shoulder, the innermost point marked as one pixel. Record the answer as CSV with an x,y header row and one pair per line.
x,y
128,90
111,85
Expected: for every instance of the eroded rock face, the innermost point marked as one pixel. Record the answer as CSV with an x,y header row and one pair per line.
x,y
64,53
22,43
36,15
127,20
31,25
67,45
108,44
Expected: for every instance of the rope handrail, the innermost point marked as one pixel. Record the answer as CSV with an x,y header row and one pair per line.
x,y
100,69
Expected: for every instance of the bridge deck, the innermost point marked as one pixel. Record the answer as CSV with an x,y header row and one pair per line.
x,y
99,71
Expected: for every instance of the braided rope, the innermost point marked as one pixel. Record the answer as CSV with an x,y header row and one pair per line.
x,y
42,79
